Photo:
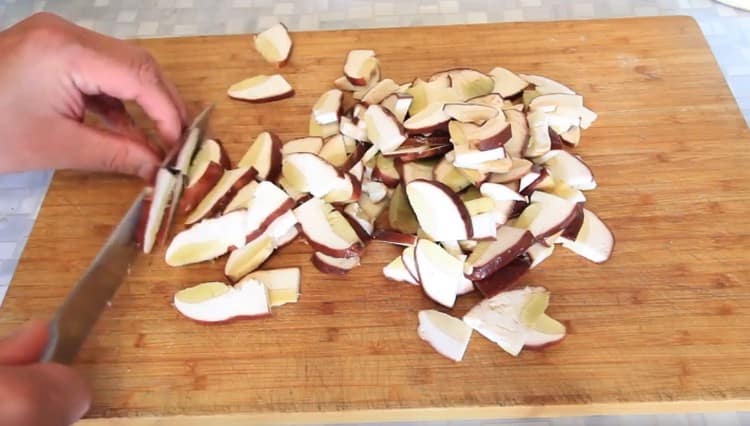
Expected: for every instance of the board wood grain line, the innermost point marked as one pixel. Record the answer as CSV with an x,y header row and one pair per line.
x,y
661,327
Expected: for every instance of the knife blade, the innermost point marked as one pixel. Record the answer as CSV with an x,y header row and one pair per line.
x,y
80,310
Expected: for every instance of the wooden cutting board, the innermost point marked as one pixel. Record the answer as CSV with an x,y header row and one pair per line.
x,y
661,327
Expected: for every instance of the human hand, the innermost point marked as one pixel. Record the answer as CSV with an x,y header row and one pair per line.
x,y
52,72
33,394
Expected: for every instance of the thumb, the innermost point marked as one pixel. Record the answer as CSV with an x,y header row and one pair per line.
x,y
108,151
37,394
42,395
25,346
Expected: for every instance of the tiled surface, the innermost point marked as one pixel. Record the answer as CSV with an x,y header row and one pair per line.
x,y
727,31
21,197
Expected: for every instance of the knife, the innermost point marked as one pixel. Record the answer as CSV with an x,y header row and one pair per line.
x,y
77,315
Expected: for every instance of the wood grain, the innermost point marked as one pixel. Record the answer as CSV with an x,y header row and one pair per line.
x,y
661,327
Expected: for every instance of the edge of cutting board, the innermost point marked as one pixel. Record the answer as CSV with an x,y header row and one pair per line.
x,y
429,414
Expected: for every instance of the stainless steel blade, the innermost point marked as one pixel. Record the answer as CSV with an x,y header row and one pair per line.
x,y
196,129
76,316
201,119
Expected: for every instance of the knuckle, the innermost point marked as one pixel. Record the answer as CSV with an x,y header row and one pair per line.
x,y
119,159
146,67
45,30
44,18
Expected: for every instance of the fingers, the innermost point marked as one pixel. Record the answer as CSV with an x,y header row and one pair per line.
x,y
177,99
115,117
107,151
25,345
127,72
42,395
102,65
